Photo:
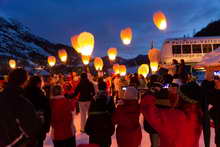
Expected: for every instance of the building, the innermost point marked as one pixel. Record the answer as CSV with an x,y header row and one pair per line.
x,y
190,49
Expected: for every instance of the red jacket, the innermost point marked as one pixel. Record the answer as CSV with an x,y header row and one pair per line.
x,y
177,128
128,132
62,118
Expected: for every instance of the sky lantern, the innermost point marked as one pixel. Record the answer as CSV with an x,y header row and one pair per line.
x,y
160,20
126,36
51,61
143,70
154,57
86,43
112,53
75,44
154,66
116,68
85,59
62,55
12,63
98,63
123,70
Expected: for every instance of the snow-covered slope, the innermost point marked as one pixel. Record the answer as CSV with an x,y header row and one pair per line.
x,y
17,41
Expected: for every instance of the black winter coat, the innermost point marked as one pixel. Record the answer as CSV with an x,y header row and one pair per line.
x,y
17,114
41,104
86,90
99,121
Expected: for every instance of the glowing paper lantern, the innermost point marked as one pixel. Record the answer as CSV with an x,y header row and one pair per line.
x,y
160,20
75,44
12,63
143,70
51,61
154,55
154,66
98,63
85,59
112,53
116,68
62,55
126,36
123,70
86,43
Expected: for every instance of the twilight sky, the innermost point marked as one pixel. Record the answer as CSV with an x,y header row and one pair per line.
x,y
58,20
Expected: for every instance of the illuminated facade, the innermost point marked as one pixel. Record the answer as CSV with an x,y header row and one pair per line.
x,y
190,49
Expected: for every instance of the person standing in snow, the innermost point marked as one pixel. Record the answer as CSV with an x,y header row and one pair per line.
x,y
99,124
86,90
63,130
126,117
179,127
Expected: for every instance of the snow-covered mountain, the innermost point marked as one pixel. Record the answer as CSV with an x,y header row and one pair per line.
x,y
29,50
17,42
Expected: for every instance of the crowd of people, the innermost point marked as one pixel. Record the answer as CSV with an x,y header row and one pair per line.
x,y
174,106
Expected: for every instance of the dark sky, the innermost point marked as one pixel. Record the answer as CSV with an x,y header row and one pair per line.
x,y
58,20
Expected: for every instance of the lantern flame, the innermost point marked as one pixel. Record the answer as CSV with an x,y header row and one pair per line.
x,y
51,61
143,70
112,53
98,63
12,63
62,55
160,20
123,70
154,66
85,59
126,36
86,43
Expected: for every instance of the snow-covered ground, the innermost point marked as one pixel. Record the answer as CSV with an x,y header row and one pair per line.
x,y
83,138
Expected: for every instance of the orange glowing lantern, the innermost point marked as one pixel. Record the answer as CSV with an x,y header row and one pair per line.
x,y
85,59
112,53
154,66
51,61
123,70
98,63
75,44
160,20
143,70
86,43
154,55
62,55
12,63
126,36
116,68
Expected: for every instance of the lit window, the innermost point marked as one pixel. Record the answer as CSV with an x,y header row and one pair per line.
x,y
176,49
196,48
215,46
207,48
186,49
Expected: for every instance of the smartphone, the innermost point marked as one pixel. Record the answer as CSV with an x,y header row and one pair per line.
x,y
166,86
124,88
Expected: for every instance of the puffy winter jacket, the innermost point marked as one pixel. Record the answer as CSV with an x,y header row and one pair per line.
x,y
18,116
62,118
176,128
99,121
126,116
